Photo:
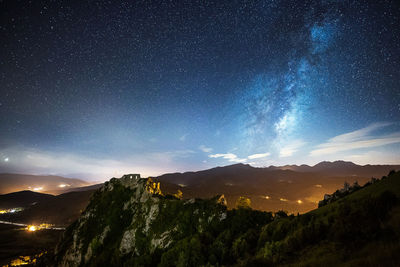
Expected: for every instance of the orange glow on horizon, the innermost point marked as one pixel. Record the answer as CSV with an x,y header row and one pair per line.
x,y
38,188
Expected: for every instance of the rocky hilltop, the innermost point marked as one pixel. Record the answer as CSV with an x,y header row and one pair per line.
x,y
129,221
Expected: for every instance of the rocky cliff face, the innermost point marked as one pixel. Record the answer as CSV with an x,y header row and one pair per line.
x,y
129,222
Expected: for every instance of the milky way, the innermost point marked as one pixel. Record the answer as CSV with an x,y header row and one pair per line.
x,y
276,103
102,88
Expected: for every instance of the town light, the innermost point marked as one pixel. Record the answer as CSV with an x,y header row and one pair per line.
x,y
32,228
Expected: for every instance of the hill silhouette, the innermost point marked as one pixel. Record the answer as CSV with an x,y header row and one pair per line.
x,y
60,210
22,199
11,182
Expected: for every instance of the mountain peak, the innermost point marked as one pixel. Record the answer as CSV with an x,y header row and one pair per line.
x,y
335,164
238,165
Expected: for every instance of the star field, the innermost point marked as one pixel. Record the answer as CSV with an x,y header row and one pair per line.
x,y
156,86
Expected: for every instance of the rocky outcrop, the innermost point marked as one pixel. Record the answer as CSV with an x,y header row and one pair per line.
x,y
129,219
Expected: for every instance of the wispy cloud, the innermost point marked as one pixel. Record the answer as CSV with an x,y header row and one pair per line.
x,y
205,149
289,149
229,156
234,158
257,156
359,134
358,139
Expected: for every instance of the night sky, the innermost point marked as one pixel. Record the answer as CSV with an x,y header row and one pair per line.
x,y
94,89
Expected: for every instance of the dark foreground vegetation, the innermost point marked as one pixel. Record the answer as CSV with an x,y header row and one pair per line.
x,y
361,228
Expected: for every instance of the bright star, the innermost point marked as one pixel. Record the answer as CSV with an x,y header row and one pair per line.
x,y
6,159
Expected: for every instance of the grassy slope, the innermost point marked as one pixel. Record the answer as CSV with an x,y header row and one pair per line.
x,y
391,183
378,251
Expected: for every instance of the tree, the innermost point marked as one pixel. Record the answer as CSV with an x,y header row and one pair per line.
x,y
346,186
281,214
356,185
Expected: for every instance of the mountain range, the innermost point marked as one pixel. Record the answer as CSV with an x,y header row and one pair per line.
x,y
291,188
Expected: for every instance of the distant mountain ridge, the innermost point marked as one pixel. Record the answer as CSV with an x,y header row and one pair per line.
x,y
273,188
12,182
340,168
292,188
22,199
335,168
44,208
